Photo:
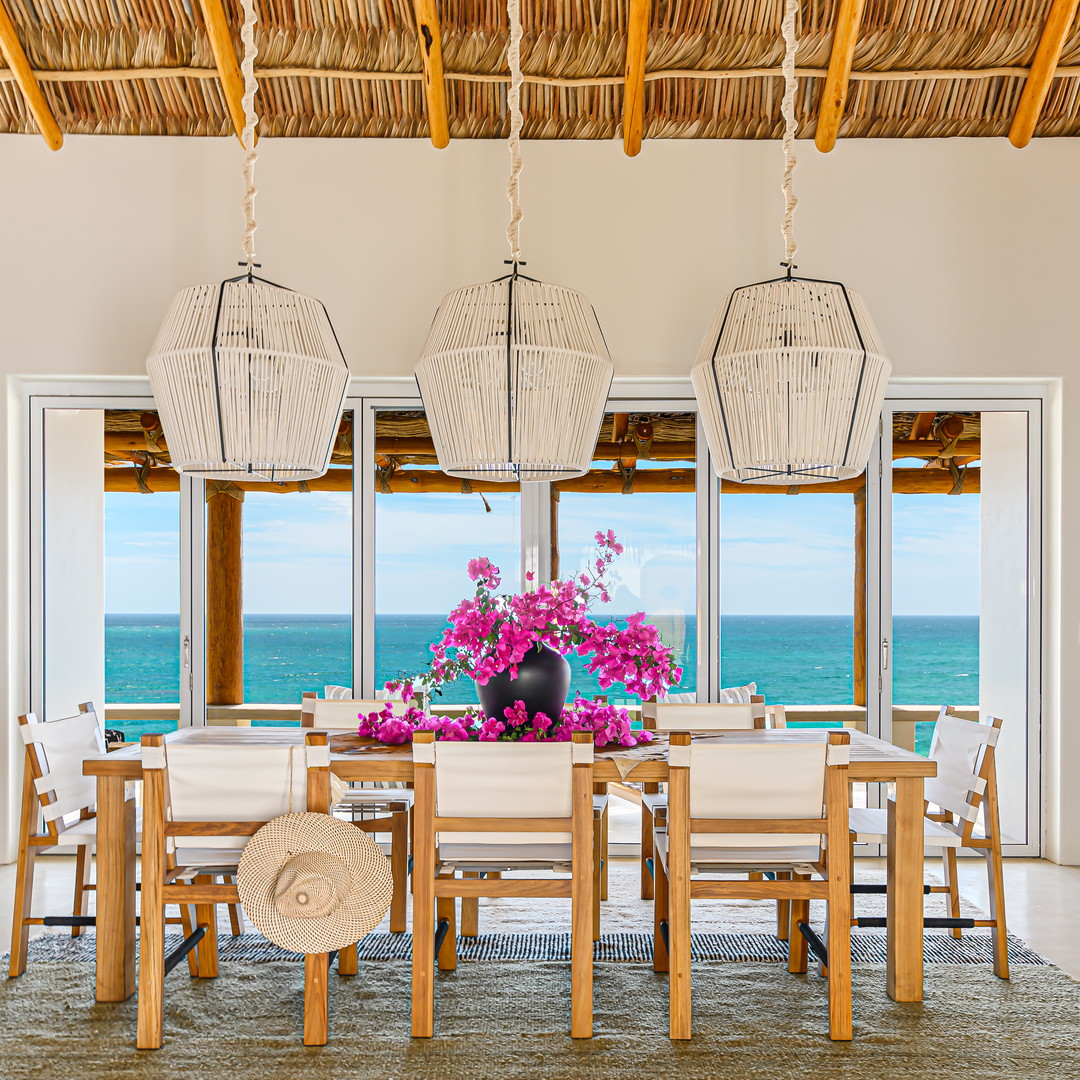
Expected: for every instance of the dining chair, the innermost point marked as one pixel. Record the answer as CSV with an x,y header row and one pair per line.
x,y
484,807
201,804
965,795
56,793
373,807
741,806
667,716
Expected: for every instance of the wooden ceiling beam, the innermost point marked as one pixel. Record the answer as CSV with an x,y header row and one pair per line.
x,y
637,40
835,92
427,26
12,51
1043,68
427,481
221,43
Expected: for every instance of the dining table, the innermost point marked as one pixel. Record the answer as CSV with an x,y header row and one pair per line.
x,y
352,758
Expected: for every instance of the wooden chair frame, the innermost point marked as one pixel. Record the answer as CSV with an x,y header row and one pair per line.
x,y
773,713
161,886
397,823
675,889
31,842
434,892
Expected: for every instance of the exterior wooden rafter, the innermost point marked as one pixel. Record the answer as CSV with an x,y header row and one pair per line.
x,y
221,43
12,51
835,92
423,481
1043,67
427,26
637,40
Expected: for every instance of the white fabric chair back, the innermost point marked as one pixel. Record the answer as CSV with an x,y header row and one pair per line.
x,y
758,780
706,716
344,713
231,783
61,747
504,780
678,699
958,747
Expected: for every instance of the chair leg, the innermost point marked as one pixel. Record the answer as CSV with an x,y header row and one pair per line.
x,y
24,891
80,906
206,915
236,919
446,908
605,828
596,883
470,910
348,961
647,852
838,934
783,911
151,987
948,872
316,999
399,870
999,937
423,958
798,947
187,928
660,915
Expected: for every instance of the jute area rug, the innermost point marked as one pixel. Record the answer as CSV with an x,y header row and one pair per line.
x,y
510,1019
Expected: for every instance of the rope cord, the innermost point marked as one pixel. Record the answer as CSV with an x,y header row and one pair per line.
x,y
247,69
787,109
513,102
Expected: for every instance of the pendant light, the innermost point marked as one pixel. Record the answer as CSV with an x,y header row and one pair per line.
x,y
515,372
248,376
791,376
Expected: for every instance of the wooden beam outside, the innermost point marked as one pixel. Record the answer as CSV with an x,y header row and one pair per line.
x,y
221,43
858,638
926,448
13,52
427,26
1043,67
834,93
637,40
224,600
922,426
599,481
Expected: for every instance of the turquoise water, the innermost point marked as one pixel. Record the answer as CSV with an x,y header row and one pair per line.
x,y
797,660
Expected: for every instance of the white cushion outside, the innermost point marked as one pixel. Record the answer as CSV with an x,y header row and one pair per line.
x,y
871,826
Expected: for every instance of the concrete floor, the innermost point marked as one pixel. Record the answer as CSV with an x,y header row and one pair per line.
x,y
1043,899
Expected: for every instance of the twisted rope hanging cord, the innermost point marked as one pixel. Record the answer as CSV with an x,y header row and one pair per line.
x,y
247,68
787,109
513,103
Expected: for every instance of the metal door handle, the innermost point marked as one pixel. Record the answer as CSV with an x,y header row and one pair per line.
x,y
884,654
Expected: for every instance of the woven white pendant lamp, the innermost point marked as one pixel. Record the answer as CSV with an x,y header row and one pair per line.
x,y
791,376
515,372
248,376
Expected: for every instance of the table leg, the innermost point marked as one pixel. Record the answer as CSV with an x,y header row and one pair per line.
x,y
904,962
115,891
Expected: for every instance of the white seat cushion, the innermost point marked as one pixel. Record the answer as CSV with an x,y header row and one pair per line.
x,y
656,802
211,856
507,856
599,804
871,826
744,858
375,796
84,831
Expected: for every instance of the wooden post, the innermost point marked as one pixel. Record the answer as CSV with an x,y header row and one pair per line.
x,y
858,637
554,533
224,598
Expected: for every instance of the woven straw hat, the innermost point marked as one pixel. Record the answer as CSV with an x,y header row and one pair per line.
x,y
312,883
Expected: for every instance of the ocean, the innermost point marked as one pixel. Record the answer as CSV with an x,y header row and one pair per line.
x,y
796,660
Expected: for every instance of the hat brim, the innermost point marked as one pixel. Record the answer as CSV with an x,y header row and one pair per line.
x,y
362,909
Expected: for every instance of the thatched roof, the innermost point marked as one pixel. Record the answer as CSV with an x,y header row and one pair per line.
x,y
331,68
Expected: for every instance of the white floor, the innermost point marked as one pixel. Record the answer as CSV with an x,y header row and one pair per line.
x,y
1042,899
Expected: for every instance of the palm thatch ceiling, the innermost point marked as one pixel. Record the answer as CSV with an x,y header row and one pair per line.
x,y
595,69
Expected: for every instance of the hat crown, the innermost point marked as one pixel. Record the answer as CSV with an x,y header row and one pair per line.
x,y
312,885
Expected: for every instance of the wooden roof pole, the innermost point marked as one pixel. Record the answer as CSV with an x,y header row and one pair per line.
x,y
427,26
835,92
12,51
224,595
637,39
221,42
1043,67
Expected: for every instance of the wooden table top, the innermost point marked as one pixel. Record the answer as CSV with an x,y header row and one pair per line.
x,y
353,758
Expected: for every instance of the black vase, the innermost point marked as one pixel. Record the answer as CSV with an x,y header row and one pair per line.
x,y
542,683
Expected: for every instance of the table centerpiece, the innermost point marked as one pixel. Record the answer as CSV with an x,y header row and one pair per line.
x,y
514,647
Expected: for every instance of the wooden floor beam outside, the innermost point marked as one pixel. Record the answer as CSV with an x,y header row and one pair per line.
x,y
19,66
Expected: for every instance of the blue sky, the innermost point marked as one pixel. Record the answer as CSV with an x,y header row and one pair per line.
x,y
780,554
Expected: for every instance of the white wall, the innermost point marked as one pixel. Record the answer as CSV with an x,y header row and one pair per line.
x,y
963,249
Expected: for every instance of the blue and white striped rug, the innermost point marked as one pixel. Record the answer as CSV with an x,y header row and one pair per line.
x,y
867,948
